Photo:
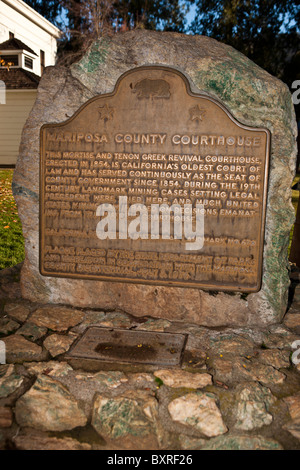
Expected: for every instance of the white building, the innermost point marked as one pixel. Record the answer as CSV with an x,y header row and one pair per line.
x,y
28,42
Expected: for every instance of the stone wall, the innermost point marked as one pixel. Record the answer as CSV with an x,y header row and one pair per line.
x,y
253,96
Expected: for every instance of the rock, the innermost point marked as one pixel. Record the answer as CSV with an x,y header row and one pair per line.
x,y
51,368
56,318
292,320
191,443
141,378
253,402
224,370
110,379
8,326
18,311
279,329
198,337
32,440
253,97
194,358
57,408
236,369
73,335
231,344
293,427
129,420
297,291
115,320
6,417
31,331
102,319
293,403
255,371
19,349
58,344
280,340
232,442
275,357
154,325
10,283
199,411
9,380
91,318
179,378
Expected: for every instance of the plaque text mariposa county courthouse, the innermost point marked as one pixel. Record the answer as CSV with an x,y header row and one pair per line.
x,y
154,142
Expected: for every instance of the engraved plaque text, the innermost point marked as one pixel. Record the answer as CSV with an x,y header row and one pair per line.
x,y
154,141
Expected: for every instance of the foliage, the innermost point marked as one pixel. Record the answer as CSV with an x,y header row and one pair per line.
x,y
91,15
295,202
90,19
266,31
87,20
5,64
12,242
149,14
50,10
153,14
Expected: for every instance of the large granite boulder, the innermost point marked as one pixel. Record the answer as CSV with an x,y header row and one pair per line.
x,y
253,96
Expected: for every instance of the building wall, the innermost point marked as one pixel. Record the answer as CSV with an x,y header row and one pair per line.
x,y
31,28
13,116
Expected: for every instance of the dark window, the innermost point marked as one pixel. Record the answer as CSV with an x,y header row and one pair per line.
x,y
28,63
12,60
42,55
11,35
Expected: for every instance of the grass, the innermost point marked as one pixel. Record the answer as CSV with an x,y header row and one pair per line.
x,y
295,194
12,241
295,201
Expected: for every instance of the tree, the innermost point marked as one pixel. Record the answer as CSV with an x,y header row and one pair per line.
x,y
152,14
51,10
87,20
267,31
91,19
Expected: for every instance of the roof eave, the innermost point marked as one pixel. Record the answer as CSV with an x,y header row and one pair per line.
x,y
25,10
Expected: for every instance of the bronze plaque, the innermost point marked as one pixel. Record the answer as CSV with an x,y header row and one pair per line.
x,y
130,346
127,160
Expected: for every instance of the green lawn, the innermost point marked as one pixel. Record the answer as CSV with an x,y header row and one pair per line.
x,y
12,241
295,200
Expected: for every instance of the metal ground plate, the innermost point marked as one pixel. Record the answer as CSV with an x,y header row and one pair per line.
x,y
130,346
